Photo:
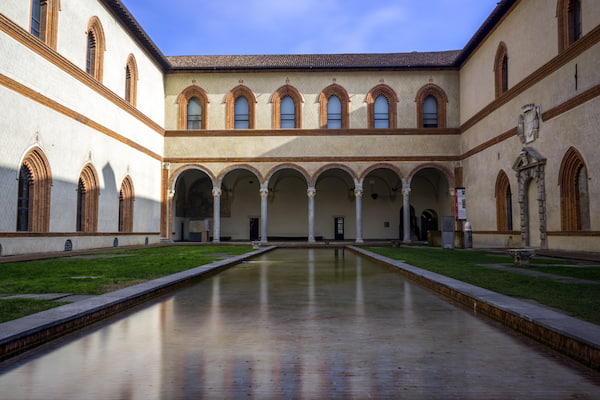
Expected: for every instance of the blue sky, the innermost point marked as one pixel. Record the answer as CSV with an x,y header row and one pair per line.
x,y
224,27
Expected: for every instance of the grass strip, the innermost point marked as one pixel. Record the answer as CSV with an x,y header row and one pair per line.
x,y
98,273
579,300
16,308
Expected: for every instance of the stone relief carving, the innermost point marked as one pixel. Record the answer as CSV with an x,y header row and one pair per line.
x,y
529,123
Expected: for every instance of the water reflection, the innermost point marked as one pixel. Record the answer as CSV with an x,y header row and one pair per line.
x,y
297,324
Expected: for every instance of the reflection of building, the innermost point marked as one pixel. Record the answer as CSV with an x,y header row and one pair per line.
x,y
106,138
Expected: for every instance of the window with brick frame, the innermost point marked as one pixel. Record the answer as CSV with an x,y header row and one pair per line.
x,y
44,21
501,69
240,118
288,115
95,49
33,202
441,99
189,117
335,114
569,19
382,93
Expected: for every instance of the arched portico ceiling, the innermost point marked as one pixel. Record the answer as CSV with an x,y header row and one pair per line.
x,y
389,167
182,170
428,170
338,171
286,170
240,170
384,175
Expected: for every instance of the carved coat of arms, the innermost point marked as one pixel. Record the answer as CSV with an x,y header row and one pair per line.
x,y
529,123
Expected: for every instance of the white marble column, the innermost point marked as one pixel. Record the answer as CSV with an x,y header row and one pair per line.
x,y
406,212
358,193
216,215
311,192
264,195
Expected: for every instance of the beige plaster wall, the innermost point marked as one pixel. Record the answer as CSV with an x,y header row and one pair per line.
x,y
310,85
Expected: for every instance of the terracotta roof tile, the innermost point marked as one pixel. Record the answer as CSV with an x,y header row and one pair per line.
x,y
307,61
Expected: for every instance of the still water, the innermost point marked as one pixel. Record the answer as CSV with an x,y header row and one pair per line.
x,y
298,323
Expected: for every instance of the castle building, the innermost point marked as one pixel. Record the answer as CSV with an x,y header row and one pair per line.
x,y
108,142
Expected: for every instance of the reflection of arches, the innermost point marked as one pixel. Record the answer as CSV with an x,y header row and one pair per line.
x,y
503,203
35,180
574,198
88,191
429,222
126,201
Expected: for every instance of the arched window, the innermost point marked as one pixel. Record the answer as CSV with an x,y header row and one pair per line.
x,y
87,200
193,106
240,105
430,112
287,108
33,202
44,21
126,199
501,69
335,115
574,197
503,203
431,107
381,107
569,15
241,113
95,49
131,78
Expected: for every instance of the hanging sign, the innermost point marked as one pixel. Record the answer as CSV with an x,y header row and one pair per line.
x,y
460,208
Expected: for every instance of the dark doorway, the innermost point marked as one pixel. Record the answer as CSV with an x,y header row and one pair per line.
x,y
429,222
339,228
253,229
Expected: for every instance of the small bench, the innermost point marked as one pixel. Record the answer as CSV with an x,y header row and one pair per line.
x,y
521,256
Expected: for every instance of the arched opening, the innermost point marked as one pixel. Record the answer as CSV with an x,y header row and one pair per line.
x,y
240,205
382,198
287,202
335,211
193,206
574,197
429,196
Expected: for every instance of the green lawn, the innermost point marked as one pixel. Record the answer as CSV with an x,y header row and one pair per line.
x,y
96,274
579,300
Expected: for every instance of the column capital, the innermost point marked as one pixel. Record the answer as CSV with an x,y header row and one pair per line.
x,y
358,191
216,192
405,189
311,192
170,194
166,165
264,190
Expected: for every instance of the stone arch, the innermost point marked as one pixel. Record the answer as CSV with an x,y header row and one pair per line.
x,y
440,96
439,167
126,203
501,69
182,102
296,96
88,192
95,48
131,78
327,167
381,166
232,96
295,167
37,218
574,197
503,196
392,99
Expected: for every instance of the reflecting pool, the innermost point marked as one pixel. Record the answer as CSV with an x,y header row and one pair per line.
x,y
298,323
